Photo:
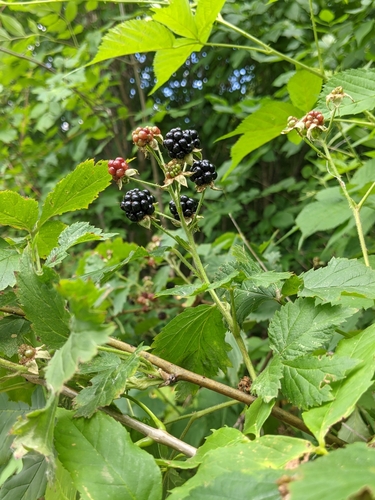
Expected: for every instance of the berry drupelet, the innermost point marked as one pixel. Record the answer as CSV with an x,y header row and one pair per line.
x,y
137,204
188,207
145,136
204,172
117,168
180,143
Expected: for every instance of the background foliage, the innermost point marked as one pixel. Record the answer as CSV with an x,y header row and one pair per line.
x,y
277,261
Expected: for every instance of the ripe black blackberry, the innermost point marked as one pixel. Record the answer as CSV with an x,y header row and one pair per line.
x,y
203,172
137,204
180,143
188,207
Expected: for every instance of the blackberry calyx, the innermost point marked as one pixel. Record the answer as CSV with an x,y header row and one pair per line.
x,y
137,204
180,143
204,172
188,207
117,168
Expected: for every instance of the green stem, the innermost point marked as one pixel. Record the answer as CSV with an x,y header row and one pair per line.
x,y
366,195
14,367
241,344
361,123
352,205
312,17
154,418
268,49
202,413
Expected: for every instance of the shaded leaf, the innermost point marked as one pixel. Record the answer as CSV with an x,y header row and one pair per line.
x,y
62,487
346,392
255,416
267,384
30,483
195,340
249,297
103,461
106,386
12,331
47,236
9,264
43,306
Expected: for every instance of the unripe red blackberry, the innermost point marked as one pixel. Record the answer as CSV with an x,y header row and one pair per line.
x,y
180,143
204,172
145,136
117,168
137,204
188,207
313,118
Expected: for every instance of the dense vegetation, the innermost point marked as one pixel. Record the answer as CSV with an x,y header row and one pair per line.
x,y
215,337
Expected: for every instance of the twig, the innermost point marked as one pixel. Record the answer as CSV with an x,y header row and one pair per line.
x,y
158,435
179,373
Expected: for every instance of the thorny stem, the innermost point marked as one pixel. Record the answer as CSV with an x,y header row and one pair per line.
x,y
312,17
179,373
352,205
237,335
14,367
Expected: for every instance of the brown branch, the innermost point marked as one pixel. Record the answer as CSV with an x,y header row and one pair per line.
x,y
158,435
179,373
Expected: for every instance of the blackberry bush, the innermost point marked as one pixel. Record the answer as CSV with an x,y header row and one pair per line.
x,y
188,206
180,143
137,204
204,172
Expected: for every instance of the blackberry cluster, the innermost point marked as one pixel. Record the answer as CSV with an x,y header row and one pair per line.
x,y
143,136
180,143
137,204
188,206
204,172
313,118
117,168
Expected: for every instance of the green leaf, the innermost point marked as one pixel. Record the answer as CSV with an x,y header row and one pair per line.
x,y
304,89
268,278
340,474
322,216
195,340
359,84
292,286
103,461
259,128
177,17
354,429
346,392
134,36
79,232
301,327
255,416
28,484
167,61
47,237
42,305
242,464
62,487
108,385
307,381
12,26
35,431
80,347
70,12
341,277
77,190
267,384
9,264
249,297
18,212
205,16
